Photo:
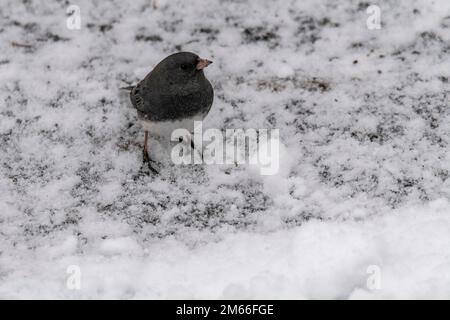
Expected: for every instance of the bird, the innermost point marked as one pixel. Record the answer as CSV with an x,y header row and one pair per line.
x,y
174,94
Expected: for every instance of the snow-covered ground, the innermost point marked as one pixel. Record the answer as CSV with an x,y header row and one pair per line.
x,y
364,181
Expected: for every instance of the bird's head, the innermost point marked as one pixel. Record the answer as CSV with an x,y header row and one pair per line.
x,y
183,66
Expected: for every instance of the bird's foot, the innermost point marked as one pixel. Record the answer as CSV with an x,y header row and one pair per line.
x,y
148,160
145,156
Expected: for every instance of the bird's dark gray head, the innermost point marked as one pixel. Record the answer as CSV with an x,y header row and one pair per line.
x,y
182,66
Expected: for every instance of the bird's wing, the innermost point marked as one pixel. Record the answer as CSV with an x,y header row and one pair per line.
x,y
146,101
136,97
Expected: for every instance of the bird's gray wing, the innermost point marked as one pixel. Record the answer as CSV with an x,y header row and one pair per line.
x,y
148,101
137,98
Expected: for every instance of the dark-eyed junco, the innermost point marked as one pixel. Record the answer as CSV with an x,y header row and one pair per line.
x,y
174,94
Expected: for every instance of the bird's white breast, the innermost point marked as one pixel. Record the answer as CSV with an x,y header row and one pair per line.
x,y
164,129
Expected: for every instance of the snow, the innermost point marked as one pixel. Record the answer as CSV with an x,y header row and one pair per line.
x,y
364,162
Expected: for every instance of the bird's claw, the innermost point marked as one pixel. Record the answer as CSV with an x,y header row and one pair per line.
x,y
146,159
145,156
152,169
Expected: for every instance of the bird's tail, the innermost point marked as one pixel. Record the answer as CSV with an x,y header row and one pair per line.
x,y
129,88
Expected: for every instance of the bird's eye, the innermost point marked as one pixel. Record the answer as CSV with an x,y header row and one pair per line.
x,y
184,66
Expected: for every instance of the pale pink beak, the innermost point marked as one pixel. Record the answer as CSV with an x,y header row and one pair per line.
x,y
203,63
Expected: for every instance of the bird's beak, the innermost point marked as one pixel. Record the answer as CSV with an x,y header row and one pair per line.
x,y
203,63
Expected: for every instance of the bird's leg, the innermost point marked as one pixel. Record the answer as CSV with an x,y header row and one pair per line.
x,y
193,148
146,156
